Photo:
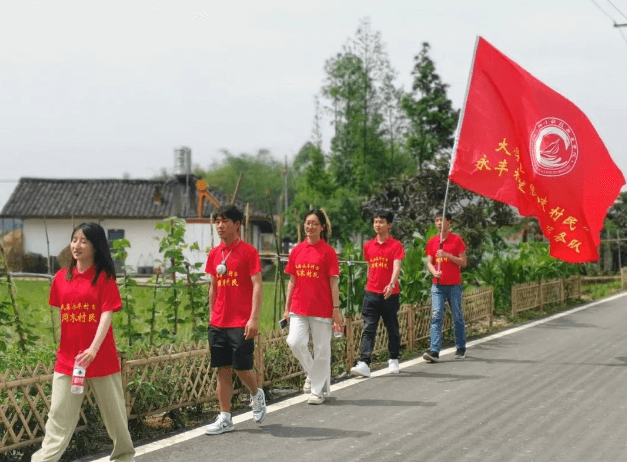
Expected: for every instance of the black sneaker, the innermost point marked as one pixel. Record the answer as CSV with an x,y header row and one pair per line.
x,y
431,356
460,353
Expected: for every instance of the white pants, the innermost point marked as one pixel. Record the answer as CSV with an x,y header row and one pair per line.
x,y
318,368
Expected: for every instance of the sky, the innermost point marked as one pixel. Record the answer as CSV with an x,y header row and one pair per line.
x,y
110,89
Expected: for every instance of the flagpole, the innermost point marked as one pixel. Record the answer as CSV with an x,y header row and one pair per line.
x,y
448,182
463,111
457,133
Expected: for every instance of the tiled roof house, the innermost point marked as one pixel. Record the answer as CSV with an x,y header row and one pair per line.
x,y
125,208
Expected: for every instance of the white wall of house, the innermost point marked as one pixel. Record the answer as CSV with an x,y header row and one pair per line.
x,y
140,233
34,232
206,236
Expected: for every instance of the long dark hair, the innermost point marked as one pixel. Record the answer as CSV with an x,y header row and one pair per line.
x,y
324,221
95,234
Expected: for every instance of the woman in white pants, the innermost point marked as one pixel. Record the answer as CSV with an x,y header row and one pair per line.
x,y
313,303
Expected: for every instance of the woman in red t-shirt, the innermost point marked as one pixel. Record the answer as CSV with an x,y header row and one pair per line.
x,y
313,303
87,295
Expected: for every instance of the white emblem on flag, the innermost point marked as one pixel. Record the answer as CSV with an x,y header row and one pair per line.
x,y
553,147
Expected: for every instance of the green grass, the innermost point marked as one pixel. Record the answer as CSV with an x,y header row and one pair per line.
x,y
33,307
600,289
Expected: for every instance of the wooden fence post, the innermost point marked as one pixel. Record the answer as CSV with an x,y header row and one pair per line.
x,y
259,360
349,342
492,305
562,291
541,298
513,300
124,373
410,327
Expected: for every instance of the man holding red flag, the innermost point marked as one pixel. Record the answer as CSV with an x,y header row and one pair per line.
x,y
446,256
523,144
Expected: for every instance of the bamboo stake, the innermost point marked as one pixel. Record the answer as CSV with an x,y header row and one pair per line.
x,y
239,182
16,312
52,322
154,310
297,222
247,230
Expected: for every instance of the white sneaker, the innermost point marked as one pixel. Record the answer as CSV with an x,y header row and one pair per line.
x,y
316,399
361,369
393,366
223,423
258,403
307,385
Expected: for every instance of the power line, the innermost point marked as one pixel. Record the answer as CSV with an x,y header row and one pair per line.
x,y
603,11
611,18
615,7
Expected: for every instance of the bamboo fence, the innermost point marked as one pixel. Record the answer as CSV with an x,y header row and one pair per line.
x,y
165,378
530,295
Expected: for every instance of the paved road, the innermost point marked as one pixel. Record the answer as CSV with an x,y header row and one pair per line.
x,y
554,391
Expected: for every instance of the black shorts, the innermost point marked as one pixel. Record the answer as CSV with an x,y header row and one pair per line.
x,y
229,348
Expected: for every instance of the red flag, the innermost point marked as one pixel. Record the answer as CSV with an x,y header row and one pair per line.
x,y
523,144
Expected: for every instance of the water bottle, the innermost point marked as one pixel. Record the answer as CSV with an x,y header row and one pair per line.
x,y
337,332
78,379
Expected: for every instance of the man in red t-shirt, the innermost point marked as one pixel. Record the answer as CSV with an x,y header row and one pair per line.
x,y
384,255
445,259
234,304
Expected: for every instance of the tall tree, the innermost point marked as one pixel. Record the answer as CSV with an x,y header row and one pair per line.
x,y
316,132
344,86
394,125
431,114
354,86
367,45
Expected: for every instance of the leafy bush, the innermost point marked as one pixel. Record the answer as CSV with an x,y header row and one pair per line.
x,y
526,262
352,279
415,280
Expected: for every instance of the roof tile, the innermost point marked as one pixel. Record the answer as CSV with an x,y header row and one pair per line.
x,y
109,198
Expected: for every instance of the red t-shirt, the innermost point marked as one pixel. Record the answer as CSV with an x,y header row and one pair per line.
x,y
81,305
234,298
451,272
380,258
312,265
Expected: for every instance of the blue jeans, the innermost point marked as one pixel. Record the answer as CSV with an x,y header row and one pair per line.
x,y
439,295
